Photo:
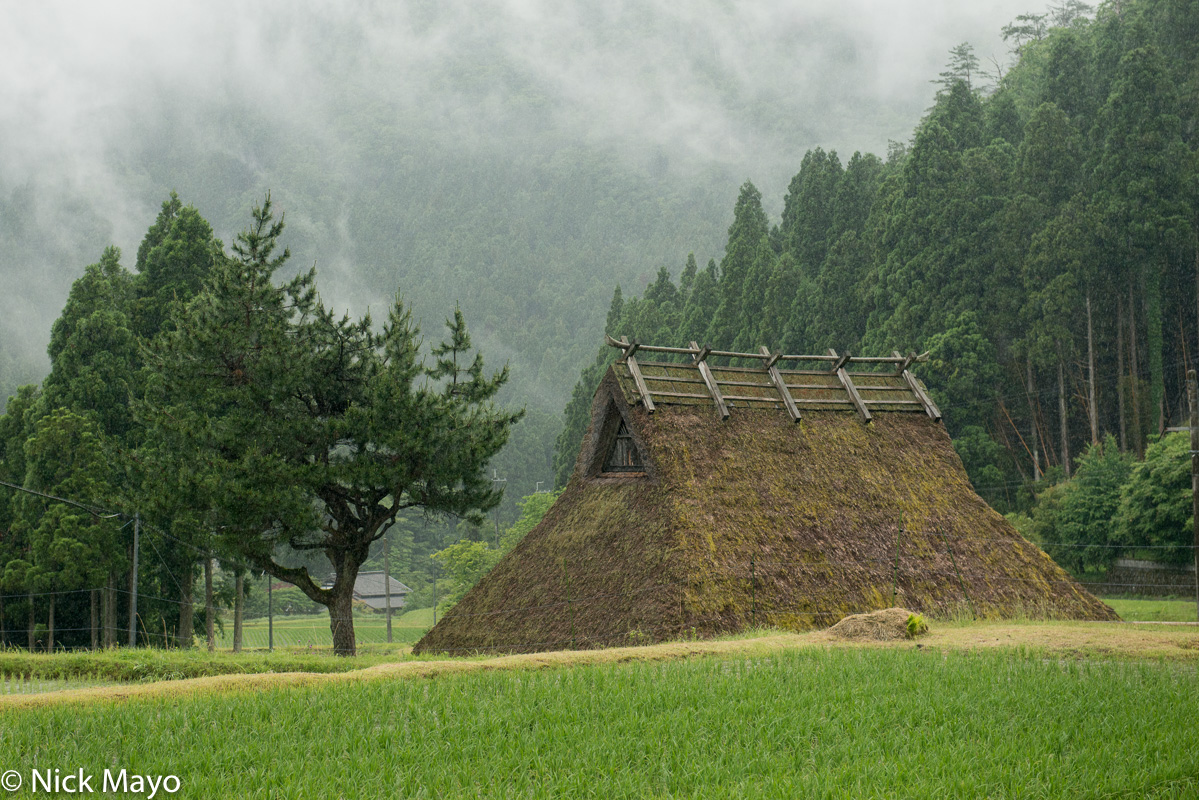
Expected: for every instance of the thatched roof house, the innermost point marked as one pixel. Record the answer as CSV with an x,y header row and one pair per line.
x,y
707,499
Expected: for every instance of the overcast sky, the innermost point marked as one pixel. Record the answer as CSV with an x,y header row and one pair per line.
x,y
87,88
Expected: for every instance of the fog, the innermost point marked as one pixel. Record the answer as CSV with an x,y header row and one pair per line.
x,y
333,106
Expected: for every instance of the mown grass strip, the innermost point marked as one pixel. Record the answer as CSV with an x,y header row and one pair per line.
x,y
226,672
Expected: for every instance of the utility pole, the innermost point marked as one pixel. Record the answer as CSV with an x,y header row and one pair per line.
x,y
137,522
494,481
1193,401
270,613
387,582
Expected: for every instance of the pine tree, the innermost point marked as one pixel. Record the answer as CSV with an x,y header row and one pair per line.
x,y
310,433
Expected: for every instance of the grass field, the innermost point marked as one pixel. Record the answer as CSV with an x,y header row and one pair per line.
x,y
975,709
313,630
303,631
814,722
1152,610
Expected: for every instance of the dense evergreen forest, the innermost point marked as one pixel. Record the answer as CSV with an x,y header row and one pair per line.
x,y
1036,235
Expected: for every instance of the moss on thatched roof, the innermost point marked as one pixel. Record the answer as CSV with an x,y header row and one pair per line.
x,y
754,520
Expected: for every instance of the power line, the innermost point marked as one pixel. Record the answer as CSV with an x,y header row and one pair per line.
x,y
95,511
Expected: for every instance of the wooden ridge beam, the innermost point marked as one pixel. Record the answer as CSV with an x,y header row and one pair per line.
x,y
894,358
635,371
780,384
850,389
706,373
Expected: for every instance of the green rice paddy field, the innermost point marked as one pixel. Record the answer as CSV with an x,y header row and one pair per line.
x,y
897,722
1029,710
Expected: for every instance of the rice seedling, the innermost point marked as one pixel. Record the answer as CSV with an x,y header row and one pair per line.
x,y
802,723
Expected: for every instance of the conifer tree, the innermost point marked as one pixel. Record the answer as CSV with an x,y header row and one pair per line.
x,y
747,235
310,433
1140,188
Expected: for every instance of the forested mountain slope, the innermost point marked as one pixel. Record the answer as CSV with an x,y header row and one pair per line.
x,y
1039,240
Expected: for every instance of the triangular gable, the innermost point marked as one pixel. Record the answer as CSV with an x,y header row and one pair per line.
x,y
615,449
623,455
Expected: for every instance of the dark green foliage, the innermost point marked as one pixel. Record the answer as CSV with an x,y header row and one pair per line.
x,y
93,349
701,305
748,243
308,432
172,263
70,548
1050,156
963,69
1031,240
466,561
1076,521
1155,503
810,207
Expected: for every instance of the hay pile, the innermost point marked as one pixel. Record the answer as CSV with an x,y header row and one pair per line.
x,y
877,626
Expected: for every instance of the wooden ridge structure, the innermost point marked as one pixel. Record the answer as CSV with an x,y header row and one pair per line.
x,y
790,382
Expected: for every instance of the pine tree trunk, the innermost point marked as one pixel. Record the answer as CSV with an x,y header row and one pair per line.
x,y
93,597
237,607
1032,417
1061,406
341,619
187,611
209,621
1093,406
1120,373
50,625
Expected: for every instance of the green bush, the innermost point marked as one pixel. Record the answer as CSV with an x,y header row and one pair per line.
x,y
916,626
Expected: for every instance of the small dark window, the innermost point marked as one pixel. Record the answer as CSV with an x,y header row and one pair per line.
x,y
623,457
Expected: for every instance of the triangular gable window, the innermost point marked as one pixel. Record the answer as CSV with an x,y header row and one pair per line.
x,y
624,456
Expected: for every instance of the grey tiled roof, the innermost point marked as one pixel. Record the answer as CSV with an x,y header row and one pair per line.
x,y
370,589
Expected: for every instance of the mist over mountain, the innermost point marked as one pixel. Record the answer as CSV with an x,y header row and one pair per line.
x,y
518,157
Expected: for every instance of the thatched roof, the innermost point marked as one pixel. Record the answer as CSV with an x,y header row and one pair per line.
x,y
753,519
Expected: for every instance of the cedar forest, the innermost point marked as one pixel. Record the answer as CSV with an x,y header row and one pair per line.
x,y
1037,236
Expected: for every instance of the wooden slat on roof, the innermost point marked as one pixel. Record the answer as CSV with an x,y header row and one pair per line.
x,y
775,381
